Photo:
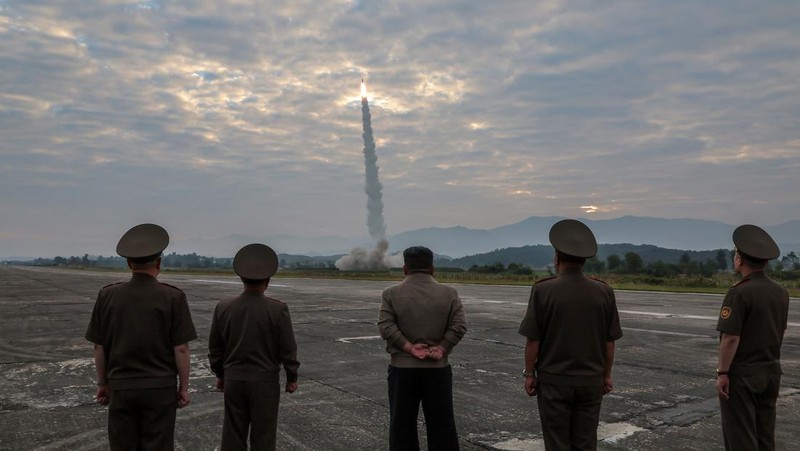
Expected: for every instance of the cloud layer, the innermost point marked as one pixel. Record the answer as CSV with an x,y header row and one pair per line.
x,y
215,118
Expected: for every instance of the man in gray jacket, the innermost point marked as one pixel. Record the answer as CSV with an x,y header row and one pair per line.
x,y
421,321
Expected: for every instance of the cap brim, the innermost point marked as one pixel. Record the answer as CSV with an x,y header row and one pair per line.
x,y
755,242
143,240
255,261
573,238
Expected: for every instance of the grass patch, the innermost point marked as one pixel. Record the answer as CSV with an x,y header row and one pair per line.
x,y
716,284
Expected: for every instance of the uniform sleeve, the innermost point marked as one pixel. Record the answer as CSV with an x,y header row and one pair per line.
x,y
288,346
456,325
530,322
785,314
387,323
182,330
94,330
732,313
614,328
216,347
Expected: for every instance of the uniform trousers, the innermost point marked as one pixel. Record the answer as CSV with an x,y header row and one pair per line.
x,y
253,406
433,387
748,417
569,416
142,419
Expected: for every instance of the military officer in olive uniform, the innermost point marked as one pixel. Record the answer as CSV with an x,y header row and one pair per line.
x,y
141,331
571,325
251,337
751,323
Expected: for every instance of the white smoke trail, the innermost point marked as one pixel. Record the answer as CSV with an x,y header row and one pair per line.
x,y
373,188
359,258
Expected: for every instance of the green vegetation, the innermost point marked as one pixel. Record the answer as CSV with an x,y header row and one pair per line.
x,y
627,272
718,283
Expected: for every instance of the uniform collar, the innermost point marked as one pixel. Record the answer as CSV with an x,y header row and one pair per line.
x,y
419,277
571,272
141,277
756,275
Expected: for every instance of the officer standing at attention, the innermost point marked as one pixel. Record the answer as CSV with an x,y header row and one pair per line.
x,y
251,337
421,321
141,331
571,325
751,323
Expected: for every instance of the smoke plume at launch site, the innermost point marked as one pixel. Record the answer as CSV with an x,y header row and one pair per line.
x,y
361,259
373,187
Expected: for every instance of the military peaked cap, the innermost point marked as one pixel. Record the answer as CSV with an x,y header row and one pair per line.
x,y
573,238
754,242
255,261
143,241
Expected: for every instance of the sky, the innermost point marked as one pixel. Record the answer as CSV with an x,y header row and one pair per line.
x,y
214,118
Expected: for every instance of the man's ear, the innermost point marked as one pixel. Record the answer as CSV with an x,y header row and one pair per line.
x,y
405,269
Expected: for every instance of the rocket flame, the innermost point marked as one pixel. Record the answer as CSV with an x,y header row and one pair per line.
x,y
378,259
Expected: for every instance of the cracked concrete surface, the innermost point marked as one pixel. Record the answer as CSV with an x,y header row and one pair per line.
x,y
663,399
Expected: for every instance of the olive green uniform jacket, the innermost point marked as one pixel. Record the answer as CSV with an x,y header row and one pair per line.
x,y
572,316
251,337
139,323
757,310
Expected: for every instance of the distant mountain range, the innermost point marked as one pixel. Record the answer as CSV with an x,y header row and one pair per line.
x,y
455,242
540,255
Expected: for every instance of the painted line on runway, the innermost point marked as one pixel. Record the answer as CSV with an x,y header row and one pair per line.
x,y
627,312
350,339
231,282
468,300
667,315
665,332
484,301
681,316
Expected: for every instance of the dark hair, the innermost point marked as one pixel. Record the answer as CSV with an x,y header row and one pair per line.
x,y
418,258
253,282
755,263
144,262
566,258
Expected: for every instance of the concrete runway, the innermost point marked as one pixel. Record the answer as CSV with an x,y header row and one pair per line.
x,y
664,396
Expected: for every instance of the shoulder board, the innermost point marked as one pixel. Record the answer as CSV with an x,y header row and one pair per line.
x,y
171,286
545,279
115,283
743,281
599,280
276,300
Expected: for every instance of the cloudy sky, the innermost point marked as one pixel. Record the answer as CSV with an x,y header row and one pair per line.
x,y
243,117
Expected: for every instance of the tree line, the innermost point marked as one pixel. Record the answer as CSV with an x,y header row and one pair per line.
x,y
632,263
628,263
181,261
173,260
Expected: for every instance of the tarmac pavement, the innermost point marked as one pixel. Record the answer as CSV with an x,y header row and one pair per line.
x,y
664,395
